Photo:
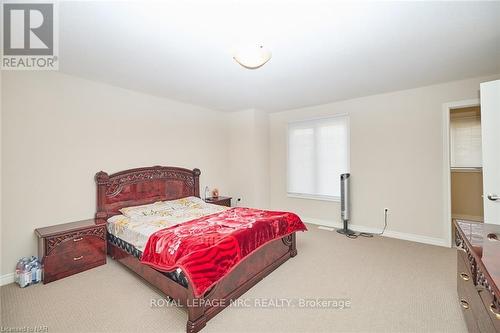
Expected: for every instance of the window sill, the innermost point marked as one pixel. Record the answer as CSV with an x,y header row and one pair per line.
x,y
468,169
313,197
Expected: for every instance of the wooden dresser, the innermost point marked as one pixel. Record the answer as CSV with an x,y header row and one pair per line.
x,y
70,248
478,274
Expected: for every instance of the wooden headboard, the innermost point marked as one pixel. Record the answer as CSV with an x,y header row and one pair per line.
x,y
142,186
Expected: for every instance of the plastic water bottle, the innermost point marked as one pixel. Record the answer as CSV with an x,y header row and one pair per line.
x,y
19,269
28,271
36,270
23,274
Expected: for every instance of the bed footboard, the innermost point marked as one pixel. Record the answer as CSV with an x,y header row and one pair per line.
x,y
244,276
248,273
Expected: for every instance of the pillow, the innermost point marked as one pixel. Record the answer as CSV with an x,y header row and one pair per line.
x,y
188,202
162,208
145,210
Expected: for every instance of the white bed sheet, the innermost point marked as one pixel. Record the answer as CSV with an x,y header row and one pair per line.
x,y
137,229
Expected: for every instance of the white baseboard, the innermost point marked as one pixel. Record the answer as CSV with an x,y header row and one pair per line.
x,y
387,233
326,228
6,279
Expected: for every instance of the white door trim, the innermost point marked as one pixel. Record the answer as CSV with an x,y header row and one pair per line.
x,y
446,161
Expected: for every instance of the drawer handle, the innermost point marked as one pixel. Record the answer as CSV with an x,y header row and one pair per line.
x,y
77,239
465,276
78,258
464,304
494,310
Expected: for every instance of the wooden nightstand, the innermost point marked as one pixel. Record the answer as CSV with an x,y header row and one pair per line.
x,y
70,248
221,201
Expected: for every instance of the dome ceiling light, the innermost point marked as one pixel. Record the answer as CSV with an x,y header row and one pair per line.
x,y
252,57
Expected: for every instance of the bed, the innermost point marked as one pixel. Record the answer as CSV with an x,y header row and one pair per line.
x,y
142,186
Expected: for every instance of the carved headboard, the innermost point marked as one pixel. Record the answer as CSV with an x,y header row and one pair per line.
x,y
143,186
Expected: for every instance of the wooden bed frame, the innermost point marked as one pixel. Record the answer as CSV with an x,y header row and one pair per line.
x,y
147,185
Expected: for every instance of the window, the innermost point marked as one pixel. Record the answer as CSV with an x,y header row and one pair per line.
x,y
318,153
465,137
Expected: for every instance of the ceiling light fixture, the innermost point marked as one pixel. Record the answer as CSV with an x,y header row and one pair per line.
x,y
252,57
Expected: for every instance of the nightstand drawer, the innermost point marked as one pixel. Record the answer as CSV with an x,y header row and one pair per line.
x,y
90,248
221,201
224,202
74,255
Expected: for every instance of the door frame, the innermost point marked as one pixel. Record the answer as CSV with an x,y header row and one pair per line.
x,y
447,164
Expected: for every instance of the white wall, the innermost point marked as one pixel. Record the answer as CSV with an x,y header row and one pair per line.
x,y
249,158
396,160
59,130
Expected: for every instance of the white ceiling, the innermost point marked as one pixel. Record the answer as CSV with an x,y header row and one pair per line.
x,y
323,51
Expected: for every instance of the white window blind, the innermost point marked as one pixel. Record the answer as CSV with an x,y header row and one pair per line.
x,y
318,153
465,142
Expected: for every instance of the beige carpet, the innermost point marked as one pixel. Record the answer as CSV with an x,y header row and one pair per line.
x,y
393,285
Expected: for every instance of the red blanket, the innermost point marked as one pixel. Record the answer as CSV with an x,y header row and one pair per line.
x,y
208,248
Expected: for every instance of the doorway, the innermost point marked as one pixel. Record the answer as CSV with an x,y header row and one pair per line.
x,y
466,181
448,108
